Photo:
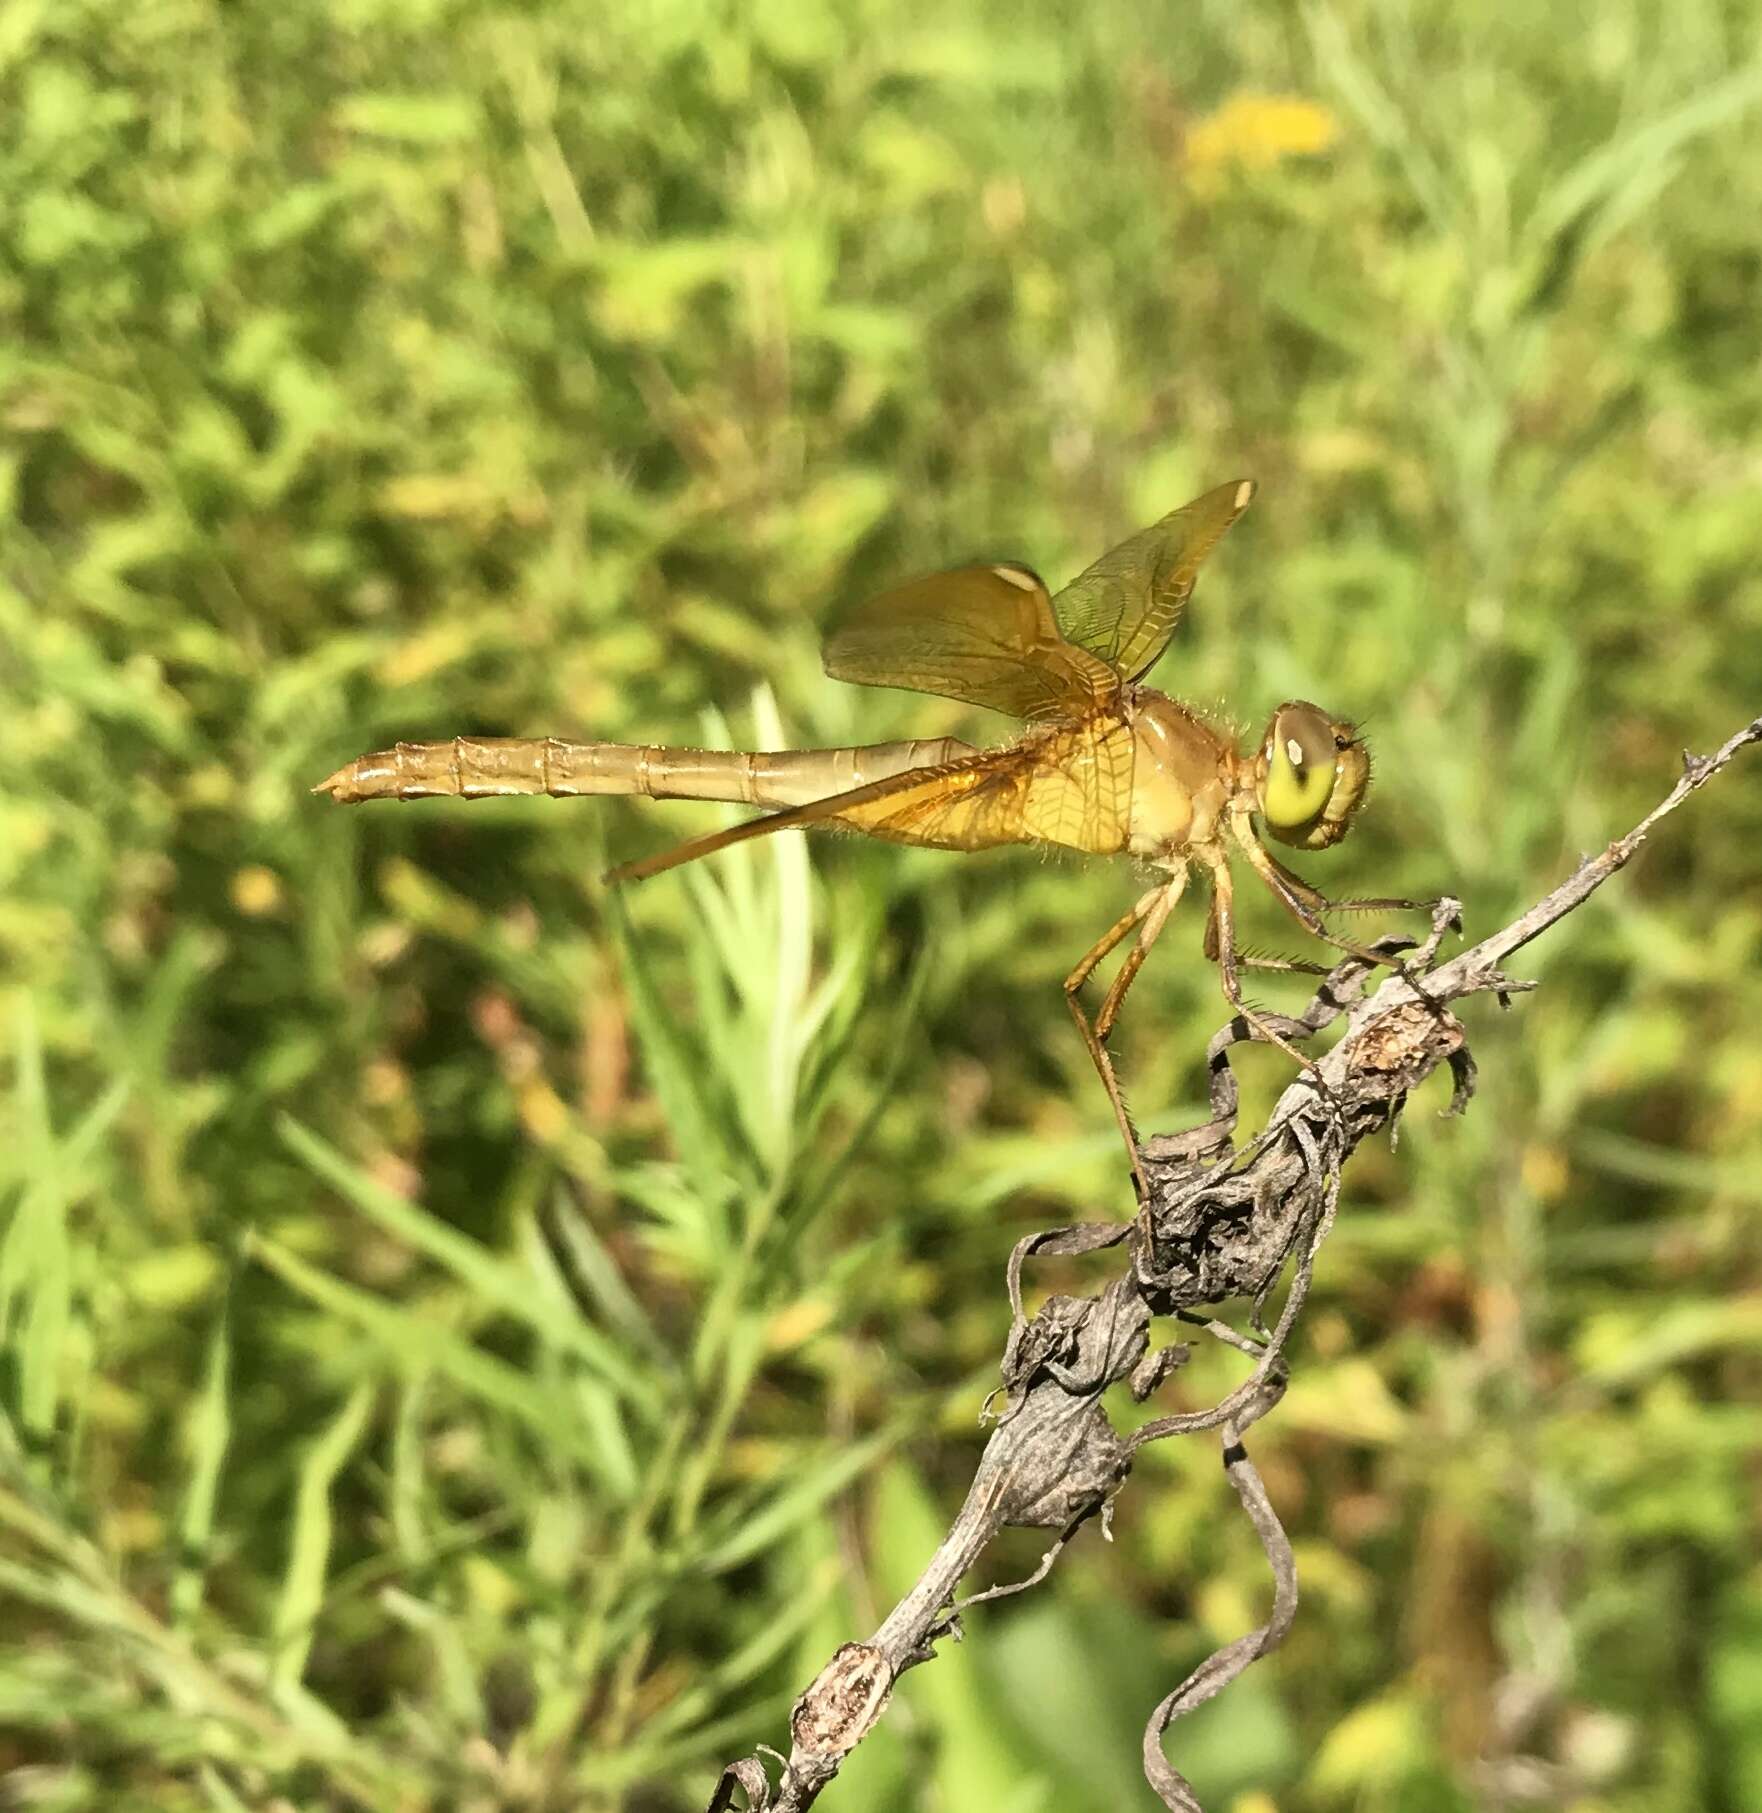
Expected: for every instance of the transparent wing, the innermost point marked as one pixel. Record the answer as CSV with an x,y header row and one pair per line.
x,y
1124,608
985,635
1069,784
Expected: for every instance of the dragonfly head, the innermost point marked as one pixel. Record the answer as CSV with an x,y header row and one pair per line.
x,y
1310,776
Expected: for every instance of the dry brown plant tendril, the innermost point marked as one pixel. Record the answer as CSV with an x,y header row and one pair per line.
x,y
1217,1224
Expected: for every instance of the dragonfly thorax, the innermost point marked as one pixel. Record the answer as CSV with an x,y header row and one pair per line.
x,y
1183,776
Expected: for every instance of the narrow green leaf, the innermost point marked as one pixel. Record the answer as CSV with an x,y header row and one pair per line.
x,y
752,1658
495,1281
451,1645
671,1067
302,1591
408,1490
210,1430
810,1486
1597,179
816,1189
220,1796
604,1424
596,1272
43,1333
419,1345
413,119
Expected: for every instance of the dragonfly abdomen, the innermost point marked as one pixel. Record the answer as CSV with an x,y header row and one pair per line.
x,y
497,767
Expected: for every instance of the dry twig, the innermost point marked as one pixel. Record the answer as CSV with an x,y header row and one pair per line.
x,y
1218,1224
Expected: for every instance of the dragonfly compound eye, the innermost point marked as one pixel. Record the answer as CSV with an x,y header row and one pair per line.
x,y
1312,774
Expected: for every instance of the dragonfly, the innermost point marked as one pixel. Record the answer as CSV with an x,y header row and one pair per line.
x,y
1104,764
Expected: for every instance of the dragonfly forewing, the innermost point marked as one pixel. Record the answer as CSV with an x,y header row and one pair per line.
x,y
1124,608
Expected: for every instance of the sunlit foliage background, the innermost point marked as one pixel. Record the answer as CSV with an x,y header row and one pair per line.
x,y
395,367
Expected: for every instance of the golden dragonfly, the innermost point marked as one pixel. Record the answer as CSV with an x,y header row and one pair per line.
x,y
1105,764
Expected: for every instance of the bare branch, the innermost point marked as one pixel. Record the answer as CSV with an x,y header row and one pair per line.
x,y
1697,771
1217,1224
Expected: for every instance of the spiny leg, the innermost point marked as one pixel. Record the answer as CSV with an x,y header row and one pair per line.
x,y
1297,897
1314,898
1109,939
1150,912
1221,945
1286,966
1291,966
1148,933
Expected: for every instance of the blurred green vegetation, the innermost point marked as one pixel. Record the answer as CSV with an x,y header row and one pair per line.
x,y
397,367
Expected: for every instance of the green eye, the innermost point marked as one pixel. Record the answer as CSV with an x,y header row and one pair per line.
x,y
1299,776
1310,776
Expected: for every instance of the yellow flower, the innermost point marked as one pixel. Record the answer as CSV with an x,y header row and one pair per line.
x,y
255,890
1254,131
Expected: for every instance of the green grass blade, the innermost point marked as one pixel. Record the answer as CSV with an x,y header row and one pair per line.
x,y
580,1247
210,1427
417,1345
308,1565
812,1484
1597,180
493,1281
695,1126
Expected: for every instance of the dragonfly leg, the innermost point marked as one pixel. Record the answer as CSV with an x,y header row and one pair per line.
x,y
1295,966
1288,966
1304,903
1146,918
1220,942
1314,898
1109,940
1160,907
